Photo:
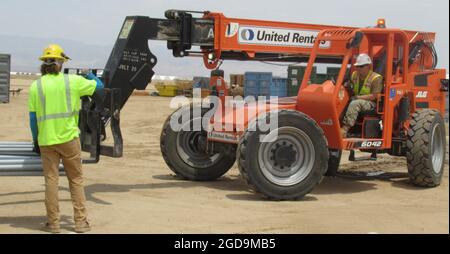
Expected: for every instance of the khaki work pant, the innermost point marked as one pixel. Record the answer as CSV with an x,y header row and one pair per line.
x,y
355,107
70,154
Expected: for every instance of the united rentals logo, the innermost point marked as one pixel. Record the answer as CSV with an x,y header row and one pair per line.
x,y
247,34
279,37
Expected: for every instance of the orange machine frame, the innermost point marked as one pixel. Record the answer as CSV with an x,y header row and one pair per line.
x,y
328,95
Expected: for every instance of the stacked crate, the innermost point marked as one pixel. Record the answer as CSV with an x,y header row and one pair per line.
x,y
257,84
295,78
263,84
237,79
5,69
279,87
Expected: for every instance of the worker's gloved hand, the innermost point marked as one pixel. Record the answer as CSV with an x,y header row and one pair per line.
x,y
349,87
36,148
90,76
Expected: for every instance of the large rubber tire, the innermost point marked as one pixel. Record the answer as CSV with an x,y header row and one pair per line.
x,y
180,154
426,148
333,162
258,160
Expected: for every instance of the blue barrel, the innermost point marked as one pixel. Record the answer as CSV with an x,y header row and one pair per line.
x,y
279,87
257,84
201,82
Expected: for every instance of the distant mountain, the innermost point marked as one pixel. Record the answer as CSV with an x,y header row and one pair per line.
x,y
25,52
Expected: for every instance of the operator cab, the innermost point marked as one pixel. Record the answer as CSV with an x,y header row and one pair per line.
x,y
390,65
369,123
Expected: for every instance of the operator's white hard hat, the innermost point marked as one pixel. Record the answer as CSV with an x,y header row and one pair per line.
x,y
363,59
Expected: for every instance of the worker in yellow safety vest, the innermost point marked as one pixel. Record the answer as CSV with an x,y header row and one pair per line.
x,y
54,102
367,84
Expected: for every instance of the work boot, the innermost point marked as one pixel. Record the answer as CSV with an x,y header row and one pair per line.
x,y
344,131
51,228
82,227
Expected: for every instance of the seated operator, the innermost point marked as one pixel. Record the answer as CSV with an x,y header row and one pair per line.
x,y
367,84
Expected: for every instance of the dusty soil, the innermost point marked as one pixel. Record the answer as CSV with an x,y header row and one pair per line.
x,y
139,194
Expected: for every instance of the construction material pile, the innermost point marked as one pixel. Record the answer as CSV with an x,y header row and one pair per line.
x,y
18,159
236,90
171,88
237,79
237,82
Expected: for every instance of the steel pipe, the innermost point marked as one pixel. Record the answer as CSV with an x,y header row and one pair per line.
x,y
19,146
19,174
35,172
27,173
12,149
15,149
21,158
20,161
17,157
28,144
23,167
15,143
30,153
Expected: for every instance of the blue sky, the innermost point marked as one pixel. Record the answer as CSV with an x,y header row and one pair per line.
x,y
97,22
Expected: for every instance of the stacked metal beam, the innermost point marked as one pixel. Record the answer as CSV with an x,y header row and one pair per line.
x,y
18,159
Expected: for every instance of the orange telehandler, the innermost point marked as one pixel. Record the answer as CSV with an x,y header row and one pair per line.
x,y
306,142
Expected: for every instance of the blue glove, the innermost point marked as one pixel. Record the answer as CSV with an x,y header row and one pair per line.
x,y
99,85
90,76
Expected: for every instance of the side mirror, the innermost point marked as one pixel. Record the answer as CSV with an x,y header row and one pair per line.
x,y
355,41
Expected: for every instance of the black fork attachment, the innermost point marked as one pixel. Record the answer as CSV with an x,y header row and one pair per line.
x,y
130,67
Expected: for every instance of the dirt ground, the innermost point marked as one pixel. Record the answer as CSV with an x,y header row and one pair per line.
x,y
139,194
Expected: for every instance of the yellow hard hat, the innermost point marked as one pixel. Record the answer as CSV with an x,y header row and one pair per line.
x,y
53,51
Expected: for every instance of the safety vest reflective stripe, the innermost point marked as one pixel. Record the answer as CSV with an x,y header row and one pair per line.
x,y
375,77
363,90
67,114
41,96
57,116
68,95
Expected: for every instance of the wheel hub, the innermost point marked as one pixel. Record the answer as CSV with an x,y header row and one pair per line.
x,y
191,147
284,155
289,159
201,143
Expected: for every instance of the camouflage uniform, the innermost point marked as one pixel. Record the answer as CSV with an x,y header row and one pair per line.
x,y
372,85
